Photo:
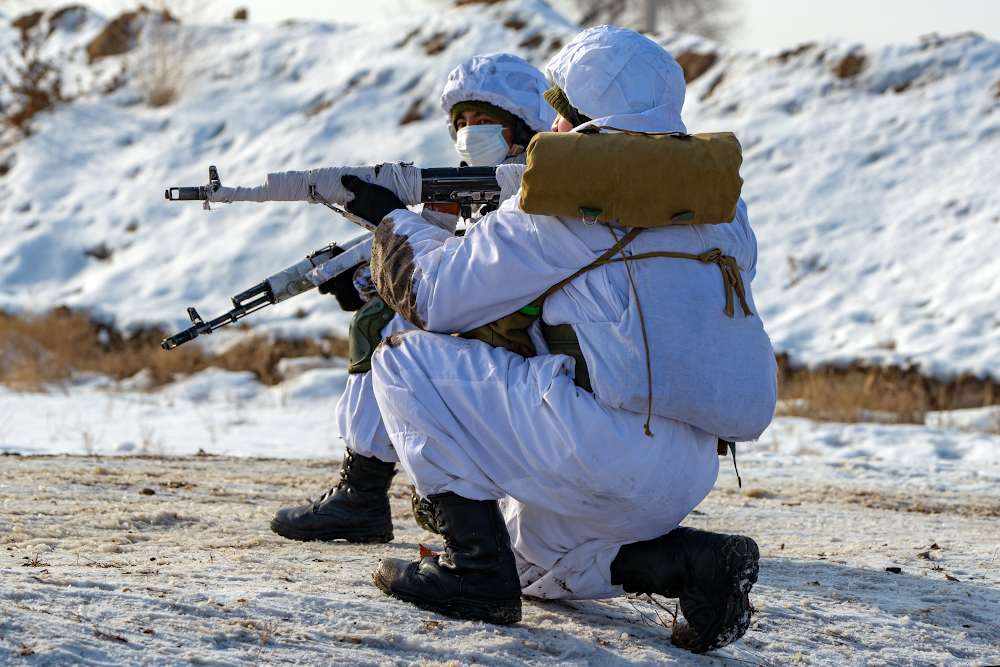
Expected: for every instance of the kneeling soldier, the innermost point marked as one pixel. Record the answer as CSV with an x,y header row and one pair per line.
x,y
493,105
561,457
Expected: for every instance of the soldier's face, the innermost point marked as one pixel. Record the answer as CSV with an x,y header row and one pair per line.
x,y
470,117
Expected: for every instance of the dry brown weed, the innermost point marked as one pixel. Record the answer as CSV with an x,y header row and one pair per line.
x,y
850,65
695,64
33,83
890,394
118,37
268,630
160,62
50,348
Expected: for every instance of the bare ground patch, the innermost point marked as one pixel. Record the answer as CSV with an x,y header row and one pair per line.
x,y
89,564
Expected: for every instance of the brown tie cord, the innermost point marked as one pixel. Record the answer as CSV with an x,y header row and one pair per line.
x,y
642,323
731,277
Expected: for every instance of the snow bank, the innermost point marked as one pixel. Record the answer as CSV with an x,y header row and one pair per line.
x,y
871,182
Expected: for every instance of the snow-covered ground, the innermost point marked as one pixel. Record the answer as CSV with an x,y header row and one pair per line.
x,y
231,413
216,411
165,561
874,197
95,570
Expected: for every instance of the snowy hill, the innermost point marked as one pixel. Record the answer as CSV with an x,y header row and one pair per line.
x,y
252,100
875,197
871,179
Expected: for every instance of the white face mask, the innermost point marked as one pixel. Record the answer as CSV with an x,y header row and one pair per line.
x,y
482,145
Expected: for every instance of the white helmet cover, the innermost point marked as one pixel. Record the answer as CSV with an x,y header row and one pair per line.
x,y
503,80
609,71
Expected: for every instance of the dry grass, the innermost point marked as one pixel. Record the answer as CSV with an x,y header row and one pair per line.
x,y
532,42
437,43
46,349
118,37
268,630
159,65
415,113
850,66
161,45
784,56
864,394
42,350
33,83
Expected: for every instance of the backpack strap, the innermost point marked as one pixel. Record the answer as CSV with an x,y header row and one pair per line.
x,y
603,259
731,277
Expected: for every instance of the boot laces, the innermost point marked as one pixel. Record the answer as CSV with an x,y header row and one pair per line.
x,y
328,494
342,484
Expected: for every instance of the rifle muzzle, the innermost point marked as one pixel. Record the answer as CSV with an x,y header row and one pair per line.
x,y
179,338
186,194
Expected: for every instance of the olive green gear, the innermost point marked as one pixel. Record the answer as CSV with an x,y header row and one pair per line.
x,y
423,512
366,333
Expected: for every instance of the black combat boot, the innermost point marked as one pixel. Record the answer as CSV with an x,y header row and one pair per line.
x,y
711,573
475,578
356,510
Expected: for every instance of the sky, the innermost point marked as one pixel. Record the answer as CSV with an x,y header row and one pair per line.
x,y
766,24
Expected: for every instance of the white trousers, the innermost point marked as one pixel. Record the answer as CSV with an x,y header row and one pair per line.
x,y
360,421
578,479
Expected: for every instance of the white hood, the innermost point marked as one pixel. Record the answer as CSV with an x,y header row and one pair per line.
x,y
620,78
503,80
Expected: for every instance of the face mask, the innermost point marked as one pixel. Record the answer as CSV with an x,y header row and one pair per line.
x,y
482,145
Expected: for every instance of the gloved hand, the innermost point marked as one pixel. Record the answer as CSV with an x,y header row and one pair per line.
x,y
342,287
371,202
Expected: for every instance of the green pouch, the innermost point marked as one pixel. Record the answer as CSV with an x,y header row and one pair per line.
x,y
561,339
509,332
365,333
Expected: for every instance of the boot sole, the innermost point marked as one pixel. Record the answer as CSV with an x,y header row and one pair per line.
x,y
499,613
379,536
742,567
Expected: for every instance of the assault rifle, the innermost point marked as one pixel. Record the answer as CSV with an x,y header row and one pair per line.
x,y
317,267
466,186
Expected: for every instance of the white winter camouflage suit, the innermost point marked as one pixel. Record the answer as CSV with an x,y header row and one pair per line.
x,y
575,473
505,81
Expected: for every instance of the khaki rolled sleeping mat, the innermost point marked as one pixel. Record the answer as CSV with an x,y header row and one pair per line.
x,y
638,180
